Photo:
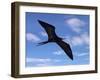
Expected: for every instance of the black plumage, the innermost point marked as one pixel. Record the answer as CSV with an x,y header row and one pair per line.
x,y
52,37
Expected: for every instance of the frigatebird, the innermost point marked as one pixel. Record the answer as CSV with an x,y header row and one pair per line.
x,y
52,37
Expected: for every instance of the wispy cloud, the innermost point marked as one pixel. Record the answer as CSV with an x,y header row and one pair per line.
x,y
32,37
82,54
38,60
78,40
58,52
43,60
67,39
51,63
43,34
85,38
43,64
75,24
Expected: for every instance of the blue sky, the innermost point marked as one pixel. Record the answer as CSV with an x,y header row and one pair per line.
x,y
73,28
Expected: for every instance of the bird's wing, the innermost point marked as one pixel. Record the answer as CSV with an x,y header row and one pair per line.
x,y
66,48
50,29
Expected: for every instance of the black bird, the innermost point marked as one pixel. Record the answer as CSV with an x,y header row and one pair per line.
x,y
52,37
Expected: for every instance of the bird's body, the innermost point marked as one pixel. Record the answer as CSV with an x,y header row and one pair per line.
x,y
52,37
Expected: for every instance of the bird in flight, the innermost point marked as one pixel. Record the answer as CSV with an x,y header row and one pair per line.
x,y
52,37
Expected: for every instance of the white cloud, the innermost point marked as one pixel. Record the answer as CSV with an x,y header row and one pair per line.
x,y
67,39
78,40
85,37
32,37
48,63
43,34
57,60
42,60
82,54
58,52
43,64
38,60
75,24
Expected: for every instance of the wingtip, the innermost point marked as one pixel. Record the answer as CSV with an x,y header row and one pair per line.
x,y
39,20
71,58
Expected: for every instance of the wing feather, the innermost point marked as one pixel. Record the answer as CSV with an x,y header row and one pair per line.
x,y
66,48
50,29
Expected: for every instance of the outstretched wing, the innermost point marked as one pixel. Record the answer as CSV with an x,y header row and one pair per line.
x,y
66,48
50,29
